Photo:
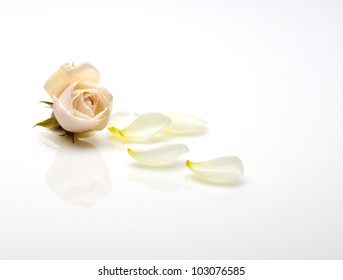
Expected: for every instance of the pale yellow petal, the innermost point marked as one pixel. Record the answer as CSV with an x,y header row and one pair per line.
x,y
120,120
184,124
223,169
68,74
158,155
144,127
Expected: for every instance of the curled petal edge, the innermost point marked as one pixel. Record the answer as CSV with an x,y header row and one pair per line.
x,y
159,155
224,169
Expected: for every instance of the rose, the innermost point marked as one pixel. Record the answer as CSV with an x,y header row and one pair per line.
x,y
80,104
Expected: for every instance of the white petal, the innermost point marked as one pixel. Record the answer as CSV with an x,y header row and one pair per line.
x,y
120,120
144,127
104,118
95,88
185,124
66,99
158,155
223,169
68,74
82,106
70,122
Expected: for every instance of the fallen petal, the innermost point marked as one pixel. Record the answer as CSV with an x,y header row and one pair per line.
x,y
120,120
223,169
158,155
185,124
144,127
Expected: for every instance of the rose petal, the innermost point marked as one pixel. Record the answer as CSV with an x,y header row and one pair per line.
x,y
83,107
158,155
70,122
120,120
68,74
103,117
185,124
223,169
144,127
66,99
89,87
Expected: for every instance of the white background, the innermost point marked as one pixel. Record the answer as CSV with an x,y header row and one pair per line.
x,y
266,75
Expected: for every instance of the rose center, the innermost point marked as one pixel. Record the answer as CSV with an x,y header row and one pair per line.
x,y
89,100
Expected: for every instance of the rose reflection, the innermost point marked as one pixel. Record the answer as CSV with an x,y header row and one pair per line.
x,y
79,174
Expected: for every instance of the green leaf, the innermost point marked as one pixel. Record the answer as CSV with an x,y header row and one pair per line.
x,y
50,104
49,123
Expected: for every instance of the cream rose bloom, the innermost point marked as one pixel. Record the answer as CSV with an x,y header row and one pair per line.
x,y
80,104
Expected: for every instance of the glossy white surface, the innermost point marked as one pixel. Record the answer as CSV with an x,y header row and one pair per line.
x,y
266,75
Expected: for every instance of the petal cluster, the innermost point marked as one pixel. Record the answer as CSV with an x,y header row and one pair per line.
x,y
80,104
227,169
148,125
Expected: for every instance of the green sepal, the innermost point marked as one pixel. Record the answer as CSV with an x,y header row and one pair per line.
x,y
70,134
51,123
49,103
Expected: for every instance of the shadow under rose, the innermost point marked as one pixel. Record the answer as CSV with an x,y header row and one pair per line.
x,y
79,174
